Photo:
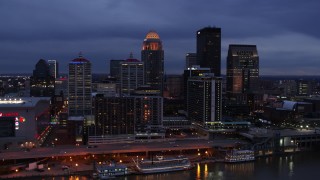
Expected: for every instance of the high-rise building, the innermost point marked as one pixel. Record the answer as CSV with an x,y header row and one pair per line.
x,y
79,83
209,49
41,81
140,114
152,55
54,68
149,110
114,115
192,71
131,75
242,69
191,60
204,99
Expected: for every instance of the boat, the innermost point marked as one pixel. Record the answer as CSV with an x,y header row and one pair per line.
x,y
110,170
161,164
239,156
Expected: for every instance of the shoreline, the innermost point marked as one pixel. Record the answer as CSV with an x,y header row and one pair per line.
x,y
59,173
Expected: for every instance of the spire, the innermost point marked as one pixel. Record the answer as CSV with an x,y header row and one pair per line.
x,y
80,54
131,55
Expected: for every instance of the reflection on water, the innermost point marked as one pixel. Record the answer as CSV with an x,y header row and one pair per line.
x,y
198,171
298,166
243,169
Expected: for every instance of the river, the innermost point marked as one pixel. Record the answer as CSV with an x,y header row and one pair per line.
x,y
298,166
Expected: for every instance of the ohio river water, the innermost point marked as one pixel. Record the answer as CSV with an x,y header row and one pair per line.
x,y
299,166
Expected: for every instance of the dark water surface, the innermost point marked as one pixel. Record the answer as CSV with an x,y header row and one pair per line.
x,y
302,166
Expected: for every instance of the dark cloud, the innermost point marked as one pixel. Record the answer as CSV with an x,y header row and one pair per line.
x,y
284,31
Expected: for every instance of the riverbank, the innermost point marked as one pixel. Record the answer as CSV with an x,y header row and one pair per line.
x,y
87,169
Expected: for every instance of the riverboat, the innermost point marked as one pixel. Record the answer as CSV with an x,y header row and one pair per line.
x,y
161,164
110,170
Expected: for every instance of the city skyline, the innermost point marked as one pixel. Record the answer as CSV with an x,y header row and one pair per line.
x,y
105,30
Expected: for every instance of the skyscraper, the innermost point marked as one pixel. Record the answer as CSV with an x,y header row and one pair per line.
x,y
209,49
204,99
131,75
152,55
242,69
191,72
242,80
54,68
41,81
79,84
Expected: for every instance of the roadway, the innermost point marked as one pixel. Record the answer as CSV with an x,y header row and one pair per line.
x,y
72,150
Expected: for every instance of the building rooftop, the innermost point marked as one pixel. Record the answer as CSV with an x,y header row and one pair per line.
x,y
21,102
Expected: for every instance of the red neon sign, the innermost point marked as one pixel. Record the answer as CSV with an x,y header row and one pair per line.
x,y
9,114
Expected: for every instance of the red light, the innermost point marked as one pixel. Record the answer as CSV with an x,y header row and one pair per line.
x,y
22,119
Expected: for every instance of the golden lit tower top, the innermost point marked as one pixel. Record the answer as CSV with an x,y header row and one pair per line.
x,y
152,41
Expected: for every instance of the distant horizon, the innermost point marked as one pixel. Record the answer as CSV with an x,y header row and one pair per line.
x,y
98,73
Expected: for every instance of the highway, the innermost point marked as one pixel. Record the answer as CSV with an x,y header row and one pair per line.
x,y
69,150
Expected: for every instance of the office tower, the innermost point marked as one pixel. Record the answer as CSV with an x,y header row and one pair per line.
x,y
191,60
79,84
131,75
204,99
140,113
41,82
242,69
152,56
149,110
192,71
114,115
54,68
209,49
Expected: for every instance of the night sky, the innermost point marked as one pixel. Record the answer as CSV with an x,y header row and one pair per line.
x,y
286,32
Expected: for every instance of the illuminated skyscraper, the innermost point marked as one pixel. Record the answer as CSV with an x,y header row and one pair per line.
x,y
131,75
152,56
79,84
204,99
242,80
242,69
209,49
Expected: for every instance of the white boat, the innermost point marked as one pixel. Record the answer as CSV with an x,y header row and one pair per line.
x,y
239,156
161,164
110,170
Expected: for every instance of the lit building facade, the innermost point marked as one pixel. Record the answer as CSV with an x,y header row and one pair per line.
x,y
204,99
22,121
131,75
209,49
114,115
79,87
41,81
192,71
152,55
242,69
